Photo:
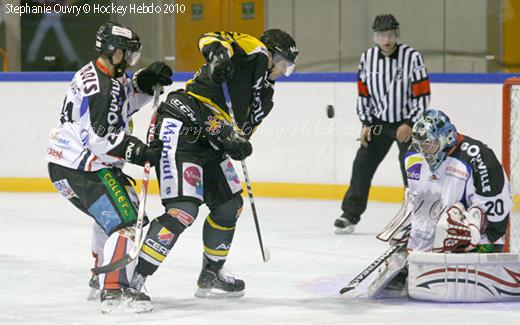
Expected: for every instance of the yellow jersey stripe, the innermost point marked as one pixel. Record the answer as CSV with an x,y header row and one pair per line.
x,y
250,44
149,251
216,252
219,112
210,39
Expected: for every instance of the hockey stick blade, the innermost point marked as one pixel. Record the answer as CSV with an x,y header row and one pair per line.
x,y
348,288
113,266
266,255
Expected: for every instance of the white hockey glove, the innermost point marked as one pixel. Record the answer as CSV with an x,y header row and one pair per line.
x,y
458,230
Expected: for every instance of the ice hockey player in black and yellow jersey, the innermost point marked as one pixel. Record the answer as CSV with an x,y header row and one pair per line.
x,y
198,142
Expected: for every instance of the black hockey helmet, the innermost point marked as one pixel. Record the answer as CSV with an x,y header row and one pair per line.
x,y
385,22
111,36
279,42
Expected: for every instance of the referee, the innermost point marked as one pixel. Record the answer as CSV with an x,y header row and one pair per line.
x,y
393,92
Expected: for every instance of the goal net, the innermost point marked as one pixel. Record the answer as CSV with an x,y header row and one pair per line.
x,y
511,155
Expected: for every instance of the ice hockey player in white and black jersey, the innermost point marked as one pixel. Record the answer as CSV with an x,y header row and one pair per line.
x,y
460,173
460,199
90,145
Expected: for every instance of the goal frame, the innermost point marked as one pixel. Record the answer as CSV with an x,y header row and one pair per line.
x,y
506,135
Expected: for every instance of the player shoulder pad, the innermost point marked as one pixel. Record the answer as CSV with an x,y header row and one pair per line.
x,y
249,44
86,80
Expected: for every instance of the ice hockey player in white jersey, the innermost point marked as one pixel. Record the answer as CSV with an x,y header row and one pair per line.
x,y
90,145
460,203
459,173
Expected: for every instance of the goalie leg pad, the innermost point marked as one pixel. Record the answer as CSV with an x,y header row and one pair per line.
x,y
391,278
471,277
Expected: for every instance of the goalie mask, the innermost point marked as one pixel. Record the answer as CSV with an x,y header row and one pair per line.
x,y
432,136
112,36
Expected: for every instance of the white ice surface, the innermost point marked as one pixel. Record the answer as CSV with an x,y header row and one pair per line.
x,y
45,260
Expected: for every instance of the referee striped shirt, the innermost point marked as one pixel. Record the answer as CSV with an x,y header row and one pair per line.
x,y
392,88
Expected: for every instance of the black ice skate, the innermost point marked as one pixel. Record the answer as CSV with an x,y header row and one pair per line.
x,y
94,288
124,301
213,283
344,226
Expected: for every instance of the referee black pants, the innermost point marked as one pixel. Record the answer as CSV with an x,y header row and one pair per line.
x,y
365,165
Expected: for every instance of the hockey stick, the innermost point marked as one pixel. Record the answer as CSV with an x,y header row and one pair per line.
x,y
265,252
369,269
134,250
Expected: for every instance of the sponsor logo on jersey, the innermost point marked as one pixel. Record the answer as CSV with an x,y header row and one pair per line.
x,y
157,247
230,173
478,164
183,217
224,247
412,160
414,172
118,195
258,113
165,237
213,125
114,110
64,188
168,136
192,180
456,172
184,108
434,177
193,177
56,154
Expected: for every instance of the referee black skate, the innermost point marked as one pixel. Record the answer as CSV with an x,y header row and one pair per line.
x,y
393,92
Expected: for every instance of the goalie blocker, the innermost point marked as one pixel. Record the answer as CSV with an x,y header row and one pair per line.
x,y
469,277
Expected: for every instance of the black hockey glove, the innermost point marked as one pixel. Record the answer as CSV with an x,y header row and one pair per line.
x,y
156,73
235,145
220,66
138,153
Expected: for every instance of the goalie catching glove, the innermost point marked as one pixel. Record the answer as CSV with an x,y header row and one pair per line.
x,y
236,146
458,230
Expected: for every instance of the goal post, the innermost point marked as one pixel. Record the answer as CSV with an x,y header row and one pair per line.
x,y
511,156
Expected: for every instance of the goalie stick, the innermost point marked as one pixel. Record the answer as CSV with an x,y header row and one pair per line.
x,y
265,252
134,250
369,269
